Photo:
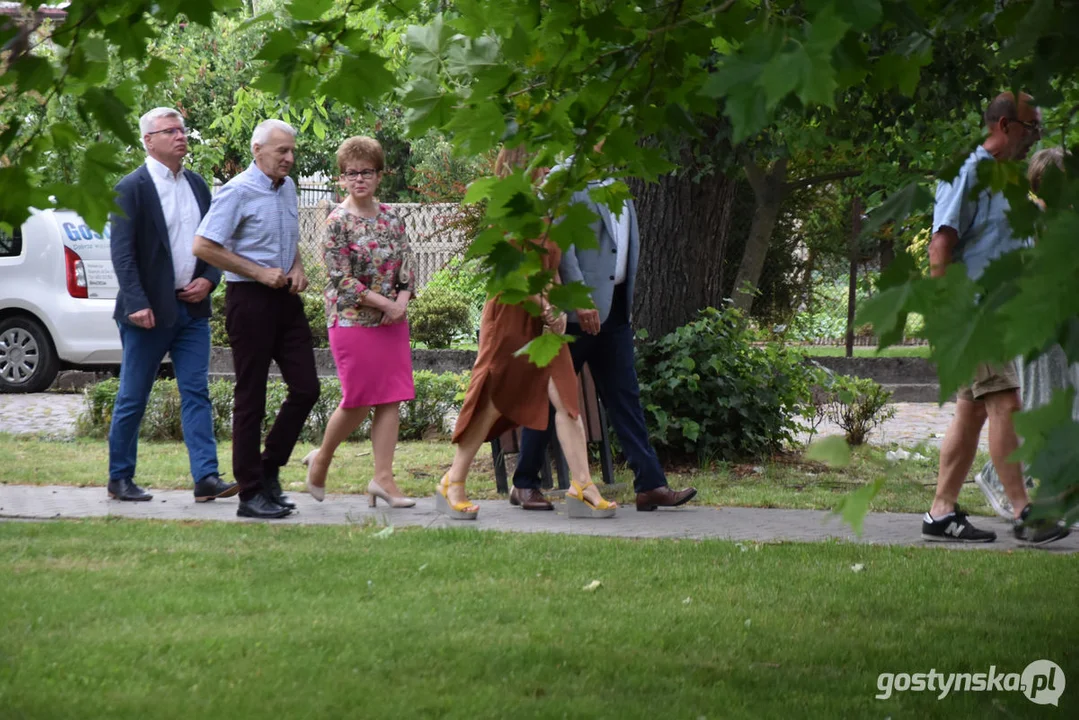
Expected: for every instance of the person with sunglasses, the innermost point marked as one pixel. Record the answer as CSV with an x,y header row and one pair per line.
x,y
973,229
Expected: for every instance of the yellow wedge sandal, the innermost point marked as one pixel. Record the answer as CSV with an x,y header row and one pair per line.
x,y
463,510
578,506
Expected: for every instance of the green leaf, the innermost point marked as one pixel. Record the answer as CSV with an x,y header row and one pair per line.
x,y
426,107
691,429
832,451
899,205
34,74
781,76
475,59
855,505
478,190
309,9
277,44
361,80
571,296
861,14
543,349
573,228
155,72
477,129
110,112
887,310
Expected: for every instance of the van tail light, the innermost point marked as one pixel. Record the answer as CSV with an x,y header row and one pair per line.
x,y
76,274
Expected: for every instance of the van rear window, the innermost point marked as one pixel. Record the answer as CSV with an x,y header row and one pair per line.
x,y
11,243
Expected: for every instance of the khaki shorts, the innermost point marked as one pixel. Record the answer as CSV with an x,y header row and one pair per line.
x,y
990,378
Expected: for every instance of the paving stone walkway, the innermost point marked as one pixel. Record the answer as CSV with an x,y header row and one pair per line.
x,y
741,524
54,415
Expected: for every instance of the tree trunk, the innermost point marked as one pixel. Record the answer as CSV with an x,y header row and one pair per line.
x,y
852,284
768,188
684,227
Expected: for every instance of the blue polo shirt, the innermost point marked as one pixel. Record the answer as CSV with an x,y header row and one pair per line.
x,y
980,222
255,220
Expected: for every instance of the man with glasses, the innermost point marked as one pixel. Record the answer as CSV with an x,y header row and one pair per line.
x,y
973,229
162,305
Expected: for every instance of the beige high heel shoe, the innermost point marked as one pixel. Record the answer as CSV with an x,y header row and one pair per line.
x,y
318,493
374,490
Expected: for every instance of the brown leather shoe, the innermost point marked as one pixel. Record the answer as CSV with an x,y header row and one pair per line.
x,y
664,497
530,499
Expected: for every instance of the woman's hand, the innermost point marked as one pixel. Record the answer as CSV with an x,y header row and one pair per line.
x,y
393,313
553,318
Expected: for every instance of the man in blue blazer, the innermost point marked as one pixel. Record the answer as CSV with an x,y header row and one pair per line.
x,y
163,305
604,340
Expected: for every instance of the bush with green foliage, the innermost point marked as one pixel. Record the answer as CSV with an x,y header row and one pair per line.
x,y
712,394
437,321
857,405
437,395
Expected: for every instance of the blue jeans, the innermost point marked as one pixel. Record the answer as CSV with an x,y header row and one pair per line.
x,y
188,343
610,357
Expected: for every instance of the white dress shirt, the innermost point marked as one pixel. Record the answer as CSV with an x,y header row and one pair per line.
x,y
621,243
182,217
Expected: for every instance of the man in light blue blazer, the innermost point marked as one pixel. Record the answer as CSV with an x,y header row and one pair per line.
x,y
604,340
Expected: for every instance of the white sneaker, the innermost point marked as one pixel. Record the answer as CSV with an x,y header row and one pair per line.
x,y
988,482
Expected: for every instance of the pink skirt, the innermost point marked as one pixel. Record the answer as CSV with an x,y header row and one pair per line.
x,y
374,364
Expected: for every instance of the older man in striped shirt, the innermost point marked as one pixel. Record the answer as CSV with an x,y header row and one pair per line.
x,y
252,232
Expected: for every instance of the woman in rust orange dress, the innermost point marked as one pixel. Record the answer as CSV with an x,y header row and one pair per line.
x,y
508,390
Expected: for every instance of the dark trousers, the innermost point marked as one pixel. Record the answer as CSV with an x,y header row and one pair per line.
x,y
263,325
609,355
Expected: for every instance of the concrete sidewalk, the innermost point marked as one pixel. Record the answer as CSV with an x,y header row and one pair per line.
x,y
692,522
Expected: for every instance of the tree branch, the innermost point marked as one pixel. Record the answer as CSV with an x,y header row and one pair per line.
x,y
818,179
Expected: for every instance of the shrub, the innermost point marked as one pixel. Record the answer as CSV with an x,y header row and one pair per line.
x,y
857,405
712,394
436,320
437,395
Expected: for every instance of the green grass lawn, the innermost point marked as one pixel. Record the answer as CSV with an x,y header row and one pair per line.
x,y
139,619
918,351
784,481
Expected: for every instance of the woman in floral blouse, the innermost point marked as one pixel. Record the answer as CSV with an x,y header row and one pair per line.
x,y
369,263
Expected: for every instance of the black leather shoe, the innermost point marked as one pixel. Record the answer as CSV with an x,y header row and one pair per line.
x,y
664,497
262,508
271,487
212,487
127,491
529,499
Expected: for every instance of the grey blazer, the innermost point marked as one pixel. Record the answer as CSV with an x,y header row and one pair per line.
x,y
595,268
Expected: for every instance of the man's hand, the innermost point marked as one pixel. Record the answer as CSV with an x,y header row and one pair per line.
x,y
589,320
296,279
143,319
195,291
393,313
271,277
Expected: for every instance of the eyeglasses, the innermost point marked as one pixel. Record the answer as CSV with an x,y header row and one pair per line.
x,y
170,131
365,174
1030,126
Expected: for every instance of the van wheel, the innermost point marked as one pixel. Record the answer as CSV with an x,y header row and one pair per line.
x,y
28,362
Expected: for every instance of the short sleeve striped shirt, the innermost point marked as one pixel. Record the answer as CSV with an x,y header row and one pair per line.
x,y
255,220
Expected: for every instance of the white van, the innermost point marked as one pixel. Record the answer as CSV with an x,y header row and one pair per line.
x,y
57,296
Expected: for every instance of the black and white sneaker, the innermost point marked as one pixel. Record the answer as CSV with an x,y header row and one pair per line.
x,y
1039,532
954,527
